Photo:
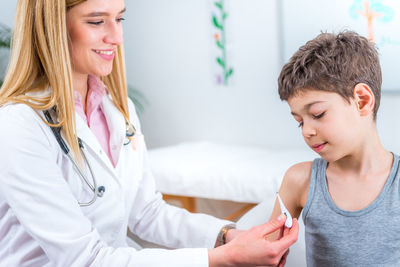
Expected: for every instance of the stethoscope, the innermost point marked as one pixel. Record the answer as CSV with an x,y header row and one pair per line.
x,y
97,191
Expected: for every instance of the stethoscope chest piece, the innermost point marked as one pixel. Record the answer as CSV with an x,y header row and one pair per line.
x,y
100,191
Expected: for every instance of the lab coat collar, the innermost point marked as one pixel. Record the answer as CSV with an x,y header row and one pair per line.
x,y
116,126
90,142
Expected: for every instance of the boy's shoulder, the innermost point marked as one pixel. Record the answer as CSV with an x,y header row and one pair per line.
x,y
299,172
297,181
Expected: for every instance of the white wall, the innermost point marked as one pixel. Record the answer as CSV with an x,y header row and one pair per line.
x,y
169,57
389,122
169,51
7,12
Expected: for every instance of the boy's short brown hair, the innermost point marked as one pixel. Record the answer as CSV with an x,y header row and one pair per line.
x,y
334,63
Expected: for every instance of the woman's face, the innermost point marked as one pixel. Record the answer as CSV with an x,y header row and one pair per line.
x,y
95,31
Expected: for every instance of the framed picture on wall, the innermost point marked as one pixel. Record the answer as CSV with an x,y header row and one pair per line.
x,y
378,20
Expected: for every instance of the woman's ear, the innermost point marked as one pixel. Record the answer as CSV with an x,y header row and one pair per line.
x,y
364,99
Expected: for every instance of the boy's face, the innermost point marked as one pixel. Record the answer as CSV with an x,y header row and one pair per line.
x,y
330,125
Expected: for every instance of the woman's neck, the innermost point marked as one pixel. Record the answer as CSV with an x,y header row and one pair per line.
x,y
80,83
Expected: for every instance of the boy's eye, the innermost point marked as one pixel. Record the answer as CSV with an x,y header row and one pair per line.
x,y
120,19
319,115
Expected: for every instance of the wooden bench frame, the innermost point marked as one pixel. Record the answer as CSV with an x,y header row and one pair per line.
x,y
189,203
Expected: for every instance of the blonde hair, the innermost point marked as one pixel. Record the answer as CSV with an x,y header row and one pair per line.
x,y
40,59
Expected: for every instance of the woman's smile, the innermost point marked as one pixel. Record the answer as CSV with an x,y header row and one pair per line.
x,y
106,54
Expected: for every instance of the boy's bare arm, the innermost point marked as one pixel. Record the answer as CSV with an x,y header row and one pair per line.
x,y
293,191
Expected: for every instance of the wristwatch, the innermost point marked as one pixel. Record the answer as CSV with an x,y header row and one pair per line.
x,y
221,238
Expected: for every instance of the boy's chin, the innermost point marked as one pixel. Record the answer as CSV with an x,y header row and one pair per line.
x,y
329,157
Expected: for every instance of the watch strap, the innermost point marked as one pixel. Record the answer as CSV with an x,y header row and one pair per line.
x,y
221,238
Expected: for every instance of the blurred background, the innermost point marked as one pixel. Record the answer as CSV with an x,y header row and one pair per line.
x,y
170,58
206,73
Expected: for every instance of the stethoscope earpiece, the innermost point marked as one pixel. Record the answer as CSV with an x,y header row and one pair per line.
x,y
130,132
130,129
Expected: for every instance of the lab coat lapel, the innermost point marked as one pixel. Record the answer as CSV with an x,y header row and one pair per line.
x,y
116,125
90,141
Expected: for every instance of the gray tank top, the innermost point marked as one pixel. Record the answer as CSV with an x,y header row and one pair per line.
x,y
368,237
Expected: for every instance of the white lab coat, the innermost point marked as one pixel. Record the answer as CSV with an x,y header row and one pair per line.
x,y
41,223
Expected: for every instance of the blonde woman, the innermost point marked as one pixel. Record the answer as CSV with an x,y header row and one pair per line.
x,y
73,170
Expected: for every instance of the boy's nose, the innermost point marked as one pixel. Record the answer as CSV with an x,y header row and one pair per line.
x,y
308,131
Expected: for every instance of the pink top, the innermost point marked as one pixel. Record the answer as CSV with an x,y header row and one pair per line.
x,y
94,116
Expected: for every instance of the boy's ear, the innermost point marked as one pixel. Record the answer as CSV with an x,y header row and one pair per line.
x,y
364,99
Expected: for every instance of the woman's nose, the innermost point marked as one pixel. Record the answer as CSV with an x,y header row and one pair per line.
x,y
114,34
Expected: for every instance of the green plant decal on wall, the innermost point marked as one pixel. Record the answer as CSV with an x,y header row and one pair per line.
x,y
218,21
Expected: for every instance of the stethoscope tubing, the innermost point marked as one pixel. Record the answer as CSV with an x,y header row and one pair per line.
x,y
130,132
56,131
93,187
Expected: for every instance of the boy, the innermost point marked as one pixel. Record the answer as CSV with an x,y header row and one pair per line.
x,y
350,197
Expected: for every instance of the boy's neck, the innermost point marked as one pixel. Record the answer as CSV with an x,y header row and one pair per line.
x,y
369,156
366,171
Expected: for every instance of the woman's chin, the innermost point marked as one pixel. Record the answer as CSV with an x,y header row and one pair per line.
x,y
103,72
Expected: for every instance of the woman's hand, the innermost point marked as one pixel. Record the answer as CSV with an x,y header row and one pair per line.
x,y
232,234
283,231
251,248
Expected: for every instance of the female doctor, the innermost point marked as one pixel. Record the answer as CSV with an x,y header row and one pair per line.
x,y
73,169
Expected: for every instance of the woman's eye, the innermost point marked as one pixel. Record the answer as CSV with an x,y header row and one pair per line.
x,y
96,22
300,124
319,115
